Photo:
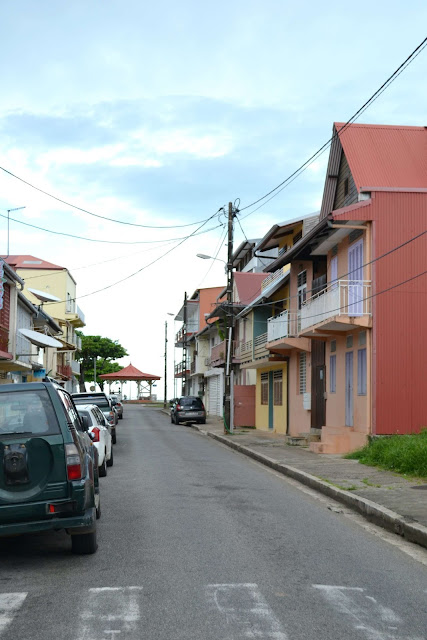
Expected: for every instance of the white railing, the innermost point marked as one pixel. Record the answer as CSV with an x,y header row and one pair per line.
x,y
349,298
273,277
81,314
284,325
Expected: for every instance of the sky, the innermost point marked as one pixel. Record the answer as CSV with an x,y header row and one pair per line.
x,y
159,114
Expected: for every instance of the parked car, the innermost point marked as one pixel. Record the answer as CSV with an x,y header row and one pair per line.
x,y
49,468
188,409
101,400
118,405
100,432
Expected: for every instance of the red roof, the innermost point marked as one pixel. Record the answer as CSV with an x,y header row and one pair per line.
x,y
30,262
385,155
129,373
248,285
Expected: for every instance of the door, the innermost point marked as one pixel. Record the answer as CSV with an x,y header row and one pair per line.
x,y
355,279
214,399
318,402
270,401
349,389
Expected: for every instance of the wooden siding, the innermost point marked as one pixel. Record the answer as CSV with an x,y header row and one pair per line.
x,y
331,176
342,200
4,319
399,348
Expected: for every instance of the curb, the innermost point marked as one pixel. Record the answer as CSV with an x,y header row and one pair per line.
x,y
372,511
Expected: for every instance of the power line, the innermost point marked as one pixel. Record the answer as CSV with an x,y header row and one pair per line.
x,y
145,266
366,264
415,53
70,235
221,241
96,215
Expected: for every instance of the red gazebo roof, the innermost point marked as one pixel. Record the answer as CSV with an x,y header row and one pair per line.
x,y
129,373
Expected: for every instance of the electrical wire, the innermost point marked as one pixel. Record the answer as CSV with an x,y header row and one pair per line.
x,y
96,215
70,235
349,273
194,233
327,144
221,241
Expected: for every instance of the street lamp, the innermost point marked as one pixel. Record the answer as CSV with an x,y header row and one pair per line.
x,y
8,214
166,363
204,256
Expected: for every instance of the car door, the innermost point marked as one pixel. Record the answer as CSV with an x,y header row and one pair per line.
x,y
32,457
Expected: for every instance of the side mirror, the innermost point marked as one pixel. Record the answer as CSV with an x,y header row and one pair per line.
x,y
85,423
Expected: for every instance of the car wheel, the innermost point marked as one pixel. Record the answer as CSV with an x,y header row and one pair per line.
x,y
203,421
85,543
121,417
110,462
103,468
176,421
172,420
114,437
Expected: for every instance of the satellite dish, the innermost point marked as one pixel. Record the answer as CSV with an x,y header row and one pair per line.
x,y
40,339
43,296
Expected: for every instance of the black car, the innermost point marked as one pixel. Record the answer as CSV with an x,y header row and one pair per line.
x,y
188,409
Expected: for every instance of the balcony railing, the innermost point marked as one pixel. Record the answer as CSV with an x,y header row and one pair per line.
x,y
348,298
80,314
64,370
75,367
272,278
179,370
243,350
260,349
284,325
193,366
218,353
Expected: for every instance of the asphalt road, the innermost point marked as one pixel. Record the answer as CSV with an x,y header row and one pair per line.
x,y
197,542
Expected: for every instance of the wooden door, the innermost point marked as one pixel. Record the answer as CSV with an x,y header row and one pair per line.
x,y
318,375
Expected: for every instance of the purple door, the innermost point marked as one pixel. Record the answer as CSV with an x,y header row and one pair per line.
x,y
349,389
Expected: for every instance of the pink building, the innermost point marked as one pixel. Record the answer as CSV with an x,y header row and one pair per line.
x,y
359,289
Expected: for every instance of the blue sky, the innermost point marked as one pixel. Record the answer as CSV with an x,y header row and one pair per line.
x,y
160,113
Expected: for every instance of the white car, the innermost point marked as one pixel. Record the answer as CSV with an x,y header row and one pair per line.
x,y
100,433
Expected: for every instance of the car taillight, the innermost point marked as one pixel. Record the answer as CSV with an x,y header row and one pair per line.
x,y
203,406
178,407
96,431
74,463
112,415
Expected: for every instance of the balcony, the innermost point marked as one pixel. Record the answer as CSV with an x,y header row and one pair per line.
x,y
273,278
180,371
260,347
343,304
64,371
282,333
193,367
243,351
75,367
77,318
218,353
184,334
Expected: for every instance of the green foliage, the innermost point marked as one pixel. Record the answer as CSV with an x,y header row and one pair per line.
x,y
104,350
406,454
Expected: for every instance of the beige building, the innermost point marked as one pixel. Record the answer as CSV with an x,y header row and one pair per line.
x,y
53,289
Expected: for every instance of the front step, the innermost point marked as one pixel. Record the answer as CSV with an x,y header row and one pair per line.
x,y
302,439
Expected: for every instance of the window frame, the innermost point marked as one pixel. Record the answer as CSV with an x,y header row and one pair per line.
x,y
278,388
333,373
264,388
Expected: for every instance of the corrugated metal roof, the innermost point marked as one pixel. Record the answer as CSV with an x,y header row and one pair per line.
x,y
385,155
30,262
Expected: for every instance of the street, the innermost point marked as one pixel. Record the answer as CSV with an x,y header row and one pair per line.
x,y
197,542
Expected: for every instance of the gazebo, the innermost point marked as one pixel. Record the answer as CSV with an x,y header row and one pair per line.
x,y
144,381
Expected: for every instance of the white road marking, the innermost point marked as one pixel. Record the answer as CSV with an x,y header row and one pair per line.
x,y
110,612
373,619
10,603
245,612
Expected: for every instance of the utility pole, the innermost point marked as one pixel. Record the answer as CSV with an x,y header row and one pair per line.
x,y
184,349
94,372
229,325
166,365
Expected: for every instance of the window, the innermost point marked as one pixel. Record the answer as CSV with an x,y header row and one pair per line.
x,y
334,271
69,307
361,372
332,374
349,342
362,338
277,388
264,388
302,288
302,372
27,412
333,346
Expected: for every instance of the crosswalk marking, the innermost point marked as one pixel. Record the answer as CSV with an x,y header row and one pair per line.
x,y
10,603
245,610
110,613
374,620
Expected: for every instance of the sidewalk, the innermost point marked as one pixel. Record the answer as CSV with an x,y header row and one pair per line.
x,y
393,502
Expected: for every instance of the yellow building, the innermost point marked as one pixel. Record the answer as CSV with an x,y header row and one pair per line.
x,y
54,288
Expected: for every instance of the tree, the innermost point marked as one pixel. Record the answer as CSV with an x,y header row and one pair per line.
x,y
103,351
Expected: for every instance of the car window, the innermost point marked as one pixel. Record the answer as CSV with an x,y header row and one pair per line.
x,y
70,411
87,415
102,403
27,412
191,401
99,416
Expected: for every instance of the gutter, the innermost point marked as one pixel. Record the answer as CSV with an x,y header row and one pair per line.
x,y
11,273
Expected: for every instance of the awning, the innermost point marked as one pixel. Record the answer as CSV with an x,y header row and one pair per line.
x,y
40,339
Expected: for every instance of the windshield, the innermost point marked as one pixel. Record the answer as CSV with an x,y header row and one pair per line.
x,y
102,403
191,401
27,412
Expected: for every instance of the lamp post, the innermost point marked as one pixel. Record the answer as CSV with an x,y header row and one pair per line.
x,y
165,401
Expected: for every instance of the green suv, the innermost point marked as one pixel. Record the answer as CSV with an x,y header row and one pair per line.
x,y
48,465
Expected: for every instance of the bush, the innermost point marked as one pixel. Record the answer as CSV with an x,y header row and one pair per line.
x,y
405,454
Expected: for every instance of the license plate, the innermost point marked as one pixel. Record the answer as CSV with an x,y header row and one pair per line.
x,y
191,414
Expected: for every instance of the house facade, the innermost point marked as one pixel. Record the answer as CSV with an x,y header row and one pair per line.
x,y
54,289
